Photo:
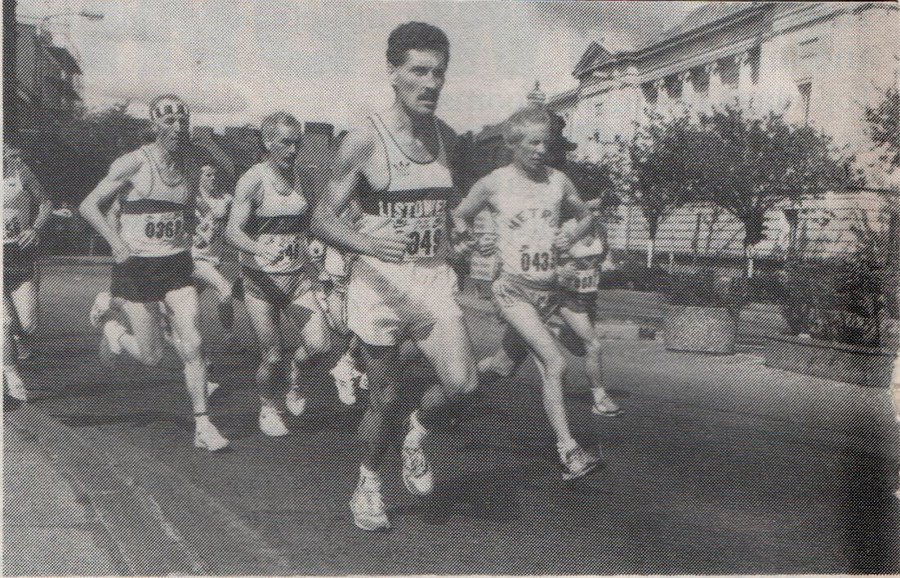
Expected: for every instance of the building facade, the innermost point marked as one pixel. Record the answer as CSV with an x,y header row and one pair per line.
x,y
819,63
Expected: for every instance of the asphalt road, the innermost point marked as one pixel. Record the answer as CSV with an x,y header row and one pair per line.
x,y
710,469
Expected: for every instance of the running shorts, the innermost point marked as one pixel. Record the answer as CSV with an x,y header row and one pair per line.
x,y
387,302
18,265
149,279
512,291
280,290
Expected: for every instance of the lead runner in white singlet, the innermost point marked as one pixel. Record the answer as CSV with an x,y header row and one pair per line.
x,y
151,248
396,165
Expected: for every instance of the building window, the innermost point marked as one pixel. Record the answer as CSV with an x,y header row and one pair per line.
x,y
805,89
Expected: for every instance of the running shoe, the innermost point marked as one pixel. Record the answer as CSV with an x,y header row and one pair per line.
x,y
417,475
208,436
345,377
211,387
15,388
270,422
368,509
605,406
578,462
101,306
295,402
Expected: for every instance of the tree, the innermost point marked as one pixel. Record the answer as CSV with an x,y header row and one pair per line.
x,y
748,164
884,126
658,173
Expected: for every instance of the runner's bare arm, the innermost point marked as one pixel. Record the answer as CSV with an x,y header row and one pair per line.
x,y
583,216
246,197
116,181
478,198
329,224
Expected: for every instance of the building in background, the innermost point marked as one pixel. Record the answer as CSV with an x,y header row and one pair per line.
x,y
820,63
48,80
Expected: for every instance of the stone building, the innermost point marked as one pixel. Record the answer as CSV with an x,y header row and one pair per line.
x,y
820,63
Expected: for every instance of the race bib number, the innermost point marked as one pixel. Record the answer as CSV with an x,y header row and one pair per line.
x,y
424,237
484,268
155,233
289,250
581,281
536,261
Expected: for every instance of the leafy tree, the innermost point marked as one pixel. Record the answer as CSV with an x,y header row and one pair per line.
x,y
748,164
884,126
658,172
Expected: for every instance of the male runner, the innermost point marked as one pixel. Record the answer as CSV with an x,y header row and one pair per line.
x,y
26,210
396,166
151,248
211,215
269,223
578,277
527,198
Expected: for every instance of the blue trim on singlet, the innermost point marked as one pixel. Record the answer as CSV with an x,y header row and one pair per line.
x,y
144,206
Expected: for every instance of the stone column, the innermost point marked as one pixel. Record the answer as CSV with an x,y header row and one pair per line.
x,y
688,94
662,95
745,86
716,89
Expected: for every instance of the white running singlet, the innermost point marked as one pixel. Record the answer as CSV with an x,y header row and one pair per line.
x,y
527,218
152,219
280,219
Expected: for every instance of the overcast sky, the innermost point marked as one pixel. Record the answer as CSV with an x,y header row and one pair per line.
x,y
235,60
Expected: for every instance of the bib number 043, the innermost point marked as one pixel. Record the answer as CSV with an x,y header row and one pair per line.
x,y
541,261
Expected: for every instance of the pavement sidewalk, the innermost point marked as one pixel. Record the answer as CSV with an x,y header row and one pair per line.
x,y
49,528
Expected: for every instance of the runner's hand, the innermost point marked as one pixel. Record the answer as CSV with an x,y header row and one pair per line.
x,y
268,253
27,238
388,249
121,252
562,241
487,244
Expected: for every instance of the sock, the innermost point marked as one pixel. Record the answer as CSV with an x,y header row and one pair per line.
x,y
566,445
201,419
113,330
368,478
417,432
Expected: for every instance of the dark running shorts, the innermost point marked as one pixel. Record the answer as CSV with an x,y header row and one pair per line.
x,y
148,279
579,302
18,266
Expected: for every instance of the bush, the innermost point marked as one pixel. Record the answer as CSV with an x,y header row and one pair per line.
x,y
706,289
634,278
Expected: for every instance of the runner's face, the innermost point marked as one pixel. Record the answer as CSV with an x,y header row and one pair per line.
x,y
283,146
172,131
418,81
530,153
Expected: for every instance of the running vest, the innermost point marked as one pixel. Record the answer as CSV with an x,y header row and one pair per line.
x,y
280,219
580,268
527,220
16,205
414,204
152,220
208,236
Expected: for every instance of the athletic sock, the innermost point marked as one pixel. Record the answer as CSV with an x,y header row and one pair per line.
x,y
564,446
369,479
417,432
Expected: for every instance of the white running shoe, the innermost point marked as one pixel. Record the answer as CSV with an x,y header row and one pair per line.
x,y
345,376
101,306
208,436
605,406
577,463
417,475
270,422
368,509
112,333
15,387
295,402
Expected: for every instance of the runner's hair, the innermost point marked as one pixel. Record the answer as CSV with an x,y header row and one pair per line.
x,y
268,128
512,127
416,36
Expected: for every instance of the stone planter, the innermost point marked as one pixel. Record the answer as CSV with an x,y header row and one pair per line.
x,y
699,329
866,366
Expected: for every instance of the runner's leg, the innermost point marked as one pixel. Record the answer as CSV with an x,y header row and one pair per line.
x,y
14,385
270,376
449,351
382,419
25,300
580,322
207,274
188,343
315,338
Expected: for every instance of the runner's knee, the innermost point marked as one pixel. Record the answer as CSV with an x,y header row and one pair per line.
x,y
555,366
593,348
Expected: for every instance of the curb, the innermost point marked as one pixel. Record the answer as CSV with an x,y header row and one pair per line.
x,y
158,522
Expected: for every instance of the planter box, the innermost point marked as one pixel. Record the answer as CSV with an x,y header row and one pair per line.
x,y
699,329
866,366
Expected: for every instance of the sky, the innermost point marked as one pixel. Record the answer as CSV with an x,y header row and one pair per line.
x,y
236,60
